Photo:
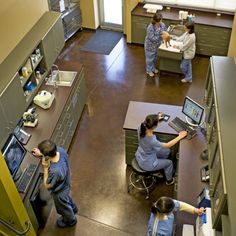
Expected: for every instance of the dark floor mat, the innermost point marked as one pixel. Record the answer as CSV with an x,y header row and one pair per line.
x,y
102,42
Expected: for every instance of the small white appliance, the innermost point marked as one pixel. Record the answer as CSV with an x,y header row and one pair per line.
x,y
44,99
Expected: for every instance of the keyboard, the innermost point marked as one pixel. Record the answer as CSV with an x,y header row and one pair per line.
x,y
26,178
179,125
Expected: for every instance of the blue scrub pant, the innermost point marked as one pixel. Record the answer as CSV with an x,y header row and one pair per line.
x,y
65,205
164,163
186,67
151,59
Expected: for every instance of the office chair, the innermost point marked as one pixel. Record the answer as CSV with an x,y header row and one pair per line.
x,y
140,179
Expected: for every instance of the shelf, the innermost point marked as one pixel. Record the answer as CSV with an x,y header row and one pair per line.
x,y
25,80
33,92
37,63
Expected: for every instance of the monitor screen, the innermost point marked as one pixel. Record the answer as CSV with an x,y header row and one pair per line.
x,y
13,152
193,110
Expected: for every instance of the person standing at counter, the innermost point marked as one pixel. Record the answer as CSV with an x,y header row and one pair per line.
x,y
188,48
162,218
152,155
153,40
57,180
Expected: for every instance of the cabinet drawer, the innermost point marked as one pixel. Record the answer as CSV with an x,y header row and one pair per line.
x,y
204,49
212,30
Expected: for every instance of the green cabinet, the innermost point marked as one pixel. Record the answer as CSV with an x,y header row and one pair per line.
x,y
13,104
53,42
4,128
212,40
139,26
220,123
71,114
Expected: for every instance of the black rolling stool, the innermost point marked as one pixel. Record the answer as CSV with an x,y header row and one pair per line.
x,y
140,179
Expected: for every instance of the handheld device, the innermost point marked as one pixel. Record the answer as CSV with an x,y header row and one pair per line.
x,y
166,117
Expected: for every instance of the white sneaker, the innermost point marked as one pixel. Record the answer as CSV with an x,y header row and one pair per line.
x,y
151,74
186,81
156,71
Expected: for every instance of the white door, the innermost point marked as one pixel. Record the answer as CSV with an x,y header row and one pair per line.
x,y
111,14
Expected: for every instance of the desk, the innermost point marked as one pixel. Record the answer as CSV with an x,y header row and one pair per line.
x,y
188,184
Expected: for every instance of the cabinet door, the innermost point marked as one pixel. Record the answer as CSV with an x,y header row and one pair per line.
x,y
139,27
4,129
13,101
52,43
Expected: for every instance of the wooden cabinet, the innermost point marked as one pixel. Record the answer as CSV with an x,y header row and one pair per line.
x,y
70,116
52,43
220,123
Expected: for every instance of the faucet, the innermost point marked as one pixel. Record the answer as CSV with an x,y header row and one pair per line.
x,y
54,71
54,76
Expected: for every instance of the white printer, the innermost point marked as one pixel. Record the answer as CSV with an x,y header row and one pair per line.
x,y
44,99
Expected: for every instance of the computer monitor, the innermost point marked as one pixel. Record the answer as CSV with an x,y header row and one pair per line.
x,y
13,152
193,111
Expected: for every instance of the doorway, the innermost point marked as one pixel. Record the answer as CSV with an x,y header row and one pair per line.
x,y
111,14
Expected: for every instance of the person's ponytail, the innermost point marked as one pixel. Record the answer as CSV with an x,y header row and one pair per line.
x,y
142,130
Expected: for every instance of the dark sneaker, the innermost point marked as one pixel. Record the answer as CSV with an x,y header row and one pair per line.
x,y
62,224
170,182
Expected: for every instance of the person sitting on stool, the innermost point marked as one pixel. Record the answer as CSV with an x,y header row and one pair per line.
x,y
57,180
151,154
162,217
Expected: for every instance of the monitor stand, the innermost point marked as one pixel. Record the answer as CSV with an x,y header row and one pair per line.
x,y
191,122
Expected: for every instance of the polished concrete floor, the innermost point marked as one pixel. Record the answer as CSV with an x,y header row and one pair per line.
x,y
97,153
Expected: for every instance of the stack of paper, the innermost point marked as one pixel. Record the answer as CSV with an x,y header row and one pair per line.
x,y
152,8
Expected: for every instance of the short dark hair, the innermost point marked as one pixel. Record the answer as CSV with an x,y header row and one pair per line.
x,y
157,17
190,25
163,205
48,148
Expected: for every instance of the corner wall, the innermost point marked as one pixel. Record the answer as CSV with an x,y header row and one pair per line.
x,y
16,19
129,6
232,48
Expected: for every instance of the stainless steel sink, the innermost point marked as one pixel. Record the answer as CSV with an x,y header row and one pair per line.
x,y
62,78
